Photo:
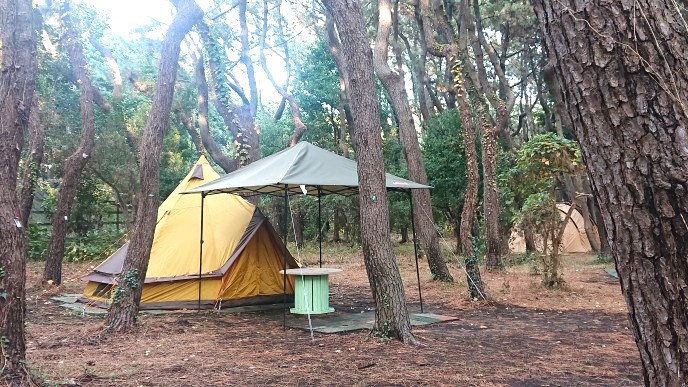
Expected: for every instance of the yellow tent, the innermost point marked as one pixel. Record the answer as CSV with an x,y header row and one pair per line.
x,y
574,240
242,254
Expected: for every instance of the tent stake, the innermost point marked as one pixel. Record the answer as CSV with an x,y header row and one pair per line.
x,y
415,251
284,262
320,225
200,253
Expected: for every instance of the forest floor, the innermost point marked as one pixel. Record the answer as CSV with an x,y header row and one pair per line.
x,y
525,335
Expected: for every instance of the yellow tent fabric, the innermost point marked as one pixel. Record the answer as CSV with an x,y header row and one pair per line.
x,y
242,254
574,240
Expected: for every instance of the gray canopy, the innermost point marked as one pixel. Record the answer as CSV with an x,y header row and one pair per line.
x,y
303,166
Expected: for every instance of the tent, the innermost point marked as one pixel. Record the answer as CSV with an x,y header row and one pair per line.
x,y
304,169
242,254
574,240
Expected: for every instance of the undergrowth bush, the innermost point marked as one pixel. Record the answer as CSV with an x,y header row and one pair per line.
x,y
95,244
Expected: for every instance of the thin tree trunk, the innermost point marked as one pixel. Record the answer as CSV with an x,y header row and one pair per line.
x,y
17,85
456,55
75,163
585,213
32,166
474,280
478,90
391,313
225,162
622,70
475,284
552,276
404,230
605,249
188,123
529,237
294,109
394,84
123,312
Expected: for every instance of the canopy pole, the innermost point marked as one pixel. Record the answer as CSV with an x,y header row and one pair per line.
x,y
284,261
320,224
200,253
415,251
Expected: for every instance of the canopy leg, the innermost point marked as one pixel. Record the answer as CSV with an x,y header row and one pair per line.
x,y
320,224
415,252
200,253
284,262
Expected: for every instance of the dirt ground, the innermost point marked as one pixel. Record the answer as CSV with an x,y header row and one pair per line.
x,y
524,335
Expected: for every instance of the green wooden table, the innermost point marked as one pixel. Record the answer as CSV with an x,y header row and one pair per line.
x,y
311,289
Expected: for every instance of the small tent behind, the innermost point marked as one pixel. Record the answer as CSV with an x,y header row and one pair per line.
x,y
574,240
242,254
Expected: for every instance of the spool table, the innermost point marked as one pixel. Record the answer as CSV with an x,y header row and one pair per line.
x,y
311,289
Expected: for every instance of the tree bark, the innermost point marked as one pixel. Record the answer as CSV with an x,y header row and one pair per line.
x,y
239,119
475,284
32,165
622,70
123,312
188,123
605,249
391,313
479,90
574,186
225,162
394,84
17,85
75,163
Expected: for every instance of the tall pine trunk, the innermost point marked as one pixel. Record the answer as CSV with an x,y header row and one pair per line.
x,y
391,313
76,162
394,84
17,84
623,72
123,312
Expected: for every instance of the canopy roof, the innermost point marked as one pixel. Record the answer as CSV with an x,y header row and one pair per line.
x,y
301,165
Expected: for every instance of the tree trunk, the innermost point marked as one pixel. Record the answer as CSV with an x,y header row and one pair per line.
x,y
403,229
574,187
190,126
393,82
225,162
474,280
123,312
76,162
588,225
17,84
529,237
294,109
337,223
391,313
32,165
605,249
622,70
